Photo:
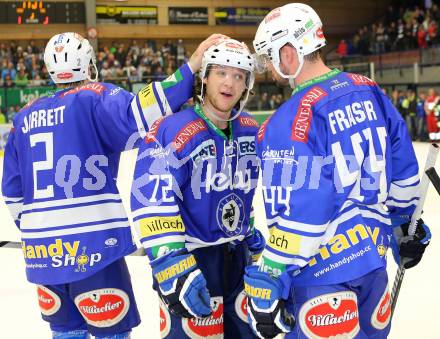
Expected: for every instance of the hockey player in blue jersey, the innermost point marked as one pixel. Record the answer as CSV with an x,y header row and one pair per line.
x,y
59,173
340,183
191,200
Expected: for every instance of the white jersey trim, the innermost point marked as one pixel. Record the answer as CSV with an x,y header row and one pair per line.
x,y
71,201
404,193
155,210
77,230
410,181
72,216
137,117
298,226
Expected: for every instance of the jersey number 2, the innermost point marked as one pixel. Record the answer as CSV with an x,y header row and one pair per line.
x,y
47,139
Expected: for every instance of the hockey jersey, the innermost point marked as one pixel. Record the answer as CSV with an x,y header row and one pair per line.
x,y
193,186
337,164
60,165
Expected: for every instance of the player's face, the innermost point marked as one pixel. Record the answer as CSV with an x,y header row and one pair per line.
x,y
224,88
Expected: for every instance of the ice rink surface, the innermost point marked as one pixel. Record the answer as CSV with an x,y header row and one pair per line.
x,y
20,317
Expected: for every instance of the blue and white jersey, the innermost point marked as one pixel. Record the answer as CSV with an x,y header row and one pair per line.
x,y
193,186
60,165
337,164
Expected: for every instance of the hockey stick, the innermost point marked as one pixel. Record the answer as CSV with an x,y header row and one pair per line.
x,y
435,179
424,184
16,244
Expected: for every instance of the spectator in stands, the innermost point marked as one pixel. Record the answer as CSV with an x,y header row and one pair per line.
x,y
9,70
421,117
2,117
21,79
421,37
342,49
264,103
381,38
180,50
409,109
432,100
8,82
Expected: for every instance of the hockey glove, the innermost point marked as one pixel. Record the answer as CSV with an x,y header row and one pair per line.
x,y
267,314
408,250
255,242
182,286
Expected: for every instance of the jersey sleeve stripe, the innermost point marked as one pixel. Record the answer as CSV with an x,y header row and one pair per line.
x,y
75,230
73,216
284,260
137,117
71,201
163,101
154,210
404,193
15,210
298,226
402,204
162,241
10,200
406,182
52,208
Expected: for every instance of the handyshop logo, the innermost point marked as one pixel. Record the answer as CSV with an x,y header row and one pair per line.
x,y
62,253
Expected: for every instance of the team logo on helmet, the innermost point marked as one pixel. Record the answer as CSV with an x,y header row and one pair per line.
x,y
104,307
333,315
230,214
209,327
382,313
241,306
165,320
49,302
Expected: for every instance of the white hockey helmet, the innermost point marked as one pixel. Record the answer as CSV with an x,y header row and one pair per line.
x,y
68,56
230,53
294,23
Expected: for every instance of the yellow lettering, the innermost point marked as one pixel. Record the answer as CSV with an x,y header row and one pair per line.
x,y
41,251
56,249
360,230
161,225
339,242
373,233
324,253
30,253
284,242
72,250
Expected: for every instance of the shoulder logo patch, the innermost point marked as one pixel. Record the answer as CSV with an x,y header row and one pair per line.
x,y
248,122
304,115
360,80
188,132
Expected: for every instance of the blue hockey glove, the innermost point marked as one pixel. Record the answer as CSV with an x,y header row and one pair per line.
x,y
182,286
408,250
255,242
267,314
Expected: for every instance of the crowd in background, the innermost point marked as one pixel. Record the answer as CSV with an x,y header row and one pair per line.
x,y
23,66
402,28
421,112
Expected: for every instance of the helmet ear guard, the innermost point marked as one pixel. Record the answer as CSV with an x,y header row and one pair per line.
x,y
230,53
68,57
296,24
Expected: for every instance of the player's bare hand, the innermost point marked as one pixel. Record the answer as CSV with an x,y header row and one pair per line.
x,y
195,62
